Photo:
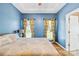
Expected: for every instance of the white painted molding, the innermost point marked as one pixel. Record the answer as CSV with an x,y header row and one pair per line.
x,y
76,10
34,8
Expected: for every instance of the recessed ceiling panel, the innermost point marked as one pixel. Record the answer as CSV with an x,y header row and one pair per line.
x,y
39,7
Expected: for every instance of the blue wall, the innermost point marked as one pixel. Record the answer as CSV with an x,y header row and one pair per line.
x,y
9,18
61,29
39,25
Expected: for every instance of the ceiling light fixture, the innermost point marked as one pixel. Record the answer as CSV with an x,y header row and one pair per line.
x,y
39,4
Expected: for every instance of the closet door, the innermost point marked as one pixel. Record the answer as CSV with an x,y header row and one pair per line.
x,y
74,33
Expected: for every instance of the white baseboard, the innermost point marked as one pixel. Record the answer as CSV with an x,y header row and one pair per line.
x,y
61,46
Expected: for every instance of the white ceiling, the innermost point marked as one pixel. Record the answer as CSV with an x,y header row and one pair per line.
x,y
35,8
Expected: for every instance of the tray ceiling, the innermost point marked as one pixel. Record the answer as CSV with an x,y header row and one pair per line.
x,y
39,7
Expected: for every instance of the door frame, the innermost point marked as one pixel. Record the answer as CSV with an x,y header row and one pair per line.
x,y
67,30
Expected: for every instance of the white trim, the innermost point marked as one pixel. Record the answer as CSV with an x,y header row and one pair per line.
x,y
61,46
76,10
35,8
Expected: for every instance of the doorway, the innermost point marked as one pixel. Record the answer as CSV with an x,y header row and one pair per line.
x,y
72,32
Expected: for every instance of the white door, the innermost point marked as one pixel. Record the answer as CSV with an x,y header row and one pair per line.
x,y
74,33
